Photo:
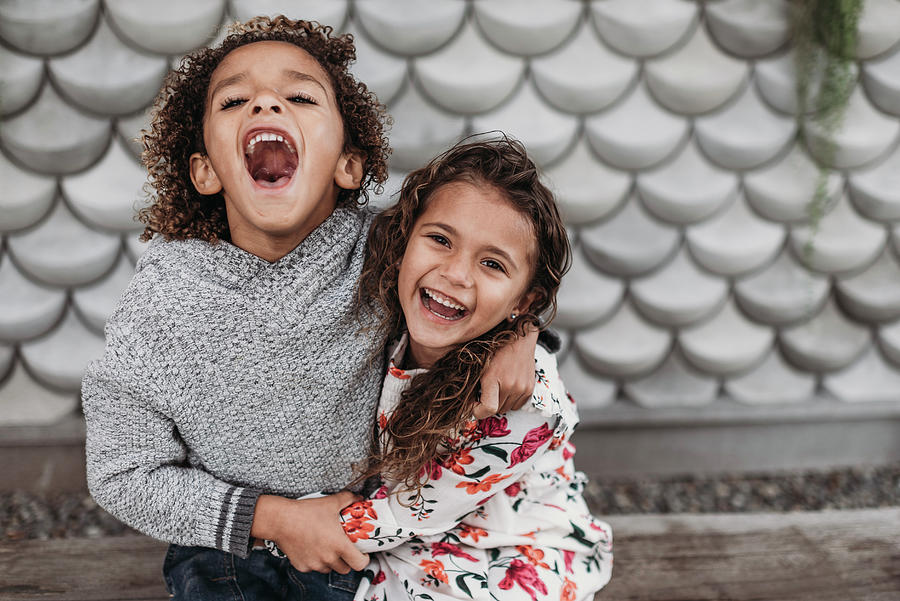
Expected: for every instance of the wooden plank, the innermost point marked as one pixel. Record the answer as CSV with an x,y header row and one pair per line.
x,y
821,556
815,556
83,569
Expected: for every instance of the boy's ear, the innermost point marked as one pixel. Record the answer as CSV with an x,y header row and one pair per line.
x,y
348,172
203,175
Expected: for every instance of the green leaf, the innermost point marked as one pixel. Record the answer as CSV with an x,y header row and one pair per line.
x,y
483,471
461,583
495,451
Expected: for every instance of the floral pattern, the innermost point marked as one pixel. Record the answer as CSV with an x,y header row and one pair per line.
x,y
459,539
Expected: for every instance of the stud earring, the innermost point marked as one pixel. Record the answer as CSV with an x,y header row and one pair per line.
x,y
513,316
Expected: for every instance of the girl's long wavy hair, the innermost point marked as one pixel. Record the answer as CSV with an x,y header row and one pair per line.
x,y
440,402
178,211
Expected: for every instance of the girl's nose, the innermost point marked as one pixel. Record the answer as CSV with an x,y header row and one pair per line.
x,y
267,101
456,272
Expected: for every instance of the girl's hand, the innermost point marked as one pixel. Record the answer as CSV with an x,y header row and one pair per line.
x,y
309,532
508,380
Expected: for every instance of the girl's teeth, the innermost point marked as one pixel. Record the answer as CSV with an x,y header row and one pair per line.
x,y
268,137
446,302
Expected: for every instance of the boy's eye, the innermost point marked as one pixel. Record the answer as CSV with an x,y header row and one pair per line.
x,y
302,99
232,102
492,264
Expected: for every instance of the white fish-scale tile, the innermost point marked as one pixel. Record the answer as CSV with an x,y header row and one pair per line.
x,y
585,188
565,343
827,342
20,79
878,28
726,344
25,197
383,73
109,193
777,82
167,26
643,27
586,296
882,81
527,27
129,130
327,12
47,26
52,137
874,294
749,28
679,293
734,241
745,134
25,402
864,135
889,340
772,382
63,251
696,78
59,358
636,133
687,189
626,345
545,131
631,243
782,293
95,303
420,131
588,389
875,192
871,378
564,82
675,383
26,309
844,241
134,247
410,27
782,191
468,75
106,76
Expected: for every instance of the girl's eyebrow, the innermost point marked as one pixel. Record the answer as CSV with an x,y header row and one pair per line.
x,y
289,73
490,248
297,75
228,81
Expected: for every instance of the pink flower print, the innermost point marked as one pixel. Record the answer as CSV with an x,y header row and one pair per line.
x,y
513,489
381,493
525,576
432,469
449,549
534,439
493,427
568,556
379,577
568,451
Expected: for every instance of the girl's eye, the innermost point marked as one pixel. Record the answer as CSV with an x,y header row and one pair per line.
x,y
492,264
302,99
439,239
232,102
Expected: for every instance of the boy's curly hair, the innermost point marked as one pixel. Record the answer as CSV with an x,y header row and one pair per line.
x,y
178,211
440,402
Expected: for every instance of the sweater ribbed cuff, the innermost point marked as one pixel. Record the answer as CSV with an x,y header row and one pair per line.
x,y
235,519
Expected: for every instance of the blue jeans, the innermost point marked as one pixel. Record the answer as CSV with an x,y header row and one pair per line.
x,y
203,574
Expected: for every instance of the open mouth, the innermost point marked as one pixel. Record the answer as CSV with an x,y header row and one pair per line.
x,y
442,306
270,158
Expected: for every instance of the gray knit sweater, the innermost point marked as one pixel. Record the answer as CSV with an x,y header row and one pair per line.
x,y
226,377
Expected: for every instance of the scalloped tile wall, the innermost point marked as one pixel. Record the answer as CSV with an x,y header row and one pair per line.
x,y
666,128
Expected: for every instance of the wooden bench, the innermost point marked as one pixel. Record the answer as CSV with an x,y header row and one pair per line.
x,y
827,556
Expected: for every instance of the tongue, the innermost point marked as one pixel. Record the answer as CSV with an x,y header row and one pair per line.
x,y
443,311
268,162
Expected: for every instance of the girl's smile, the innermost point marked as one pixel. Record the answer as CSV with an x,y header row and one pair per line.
x,y
465,269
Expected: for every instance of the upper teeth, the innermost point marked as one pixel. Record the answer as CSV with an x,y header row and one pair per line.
x,y
443,300
268,137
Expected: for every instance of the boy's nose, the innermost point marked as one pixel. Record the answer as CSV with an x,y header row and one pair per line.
x,y
258,108
267,100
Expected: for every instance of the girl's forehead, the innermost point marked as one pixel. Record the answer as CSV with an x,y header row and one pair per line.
x,y
269,56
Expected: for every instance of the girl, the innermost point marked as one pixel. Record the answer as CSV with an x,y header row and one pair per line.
x,y
473,251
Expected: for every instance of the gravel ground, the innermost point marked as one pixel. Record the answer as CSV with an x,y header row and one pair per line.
x,y
26,515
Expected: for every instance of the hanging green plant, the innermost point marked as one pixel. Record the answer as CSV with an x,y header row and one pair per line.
x,y
825,36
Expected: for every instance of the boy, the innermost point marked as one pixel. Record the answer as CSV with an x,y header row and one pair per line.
x,y
236,375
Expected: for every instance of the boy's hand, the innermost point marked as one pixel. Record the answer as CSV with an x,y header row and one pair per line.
x,y
309,532
508,380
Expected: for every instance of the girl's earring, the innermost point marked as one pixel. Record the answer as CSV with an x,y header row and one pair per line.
x,y
512,316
